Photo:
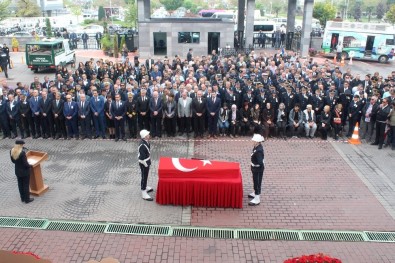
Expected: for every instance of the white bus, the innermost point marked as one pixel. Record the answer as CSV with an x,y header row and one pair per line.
x,y
360,40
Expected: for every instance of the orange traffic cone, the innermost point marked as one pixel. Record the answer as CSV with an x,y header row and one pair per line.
x,y
342,62
334,59
355,136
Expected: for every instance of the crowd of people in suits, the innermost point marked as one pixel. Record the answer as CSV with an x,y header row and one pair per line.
x,y
203,96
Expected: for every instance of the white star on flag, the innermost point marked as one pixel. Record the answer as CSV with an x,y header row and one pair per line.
x,y
206,162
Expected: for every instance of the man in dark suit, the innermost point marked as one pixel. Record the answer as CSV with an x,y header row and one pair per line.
x,y
199,114
97,111
84,114
14,116
26,115
354,114
36,114
331,100
98,38
213,107
118,114
155,106
70,111
58,117
4,117
85,38
143,110
46,115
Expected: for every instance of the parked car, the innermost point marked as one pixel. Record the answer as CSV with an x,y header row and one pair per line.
x,y
21,34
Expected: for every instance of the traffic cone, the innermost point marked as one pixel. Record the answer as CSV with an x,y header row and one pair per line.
x,y
342,62
350,62
334,59
355,136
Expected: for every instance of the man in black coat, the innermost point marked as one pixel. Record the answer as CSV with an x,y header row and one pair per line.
x,y
118,112
354,114
46,115
4,62
199,114
5,127
381,122
213,107
98,37
22,170
85,38
14,116
155,106
58,117
26,115
84,114
143,110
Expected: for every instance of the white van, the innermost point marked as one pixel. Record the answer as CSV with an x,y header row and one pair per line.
x,y
225,16
267,27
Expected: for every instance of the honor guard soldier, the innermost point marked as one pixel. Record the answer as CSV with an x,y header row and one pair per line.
x,y
257,168
145,163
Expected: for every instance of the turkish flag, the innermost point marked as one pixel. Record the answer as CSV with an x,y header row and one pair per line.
x,y
199,183
190,168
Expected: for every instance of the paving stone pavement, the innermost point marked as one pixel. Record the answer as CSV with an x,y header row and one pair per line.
x,y
96,180
375,168
63,247
307,185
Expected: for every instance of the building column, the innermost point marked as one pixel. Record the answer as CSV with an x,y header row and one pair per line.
x,y
250,23
147,9
141,10
306,30
290,23
240,21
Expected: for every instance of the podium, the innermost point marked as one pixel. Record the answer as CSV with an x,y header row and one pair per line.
x,y
37,186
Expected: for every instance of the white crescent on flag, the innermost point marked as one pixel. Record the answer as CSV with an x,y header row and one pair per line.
x,y
178,166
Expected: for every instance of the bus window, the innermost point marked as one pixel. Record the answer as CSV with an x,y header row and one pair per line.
x,y
390,42
264,28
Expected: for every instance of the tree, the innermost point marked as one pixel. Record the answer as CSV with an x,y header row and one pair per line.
x,y
324,11
74,7
369,11
357,11
28,8
131,14
390,15
191,5
48,26
276,8
4,4
172,5
380,10
101,14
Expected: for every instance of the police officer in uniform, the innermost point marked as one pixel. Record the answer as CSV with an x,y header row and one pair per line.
x,y
145,162
22,170
257,168
4,62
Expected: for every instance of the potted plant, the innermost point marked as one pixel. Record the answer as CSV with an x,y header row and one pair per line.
x,y
15,44
106,44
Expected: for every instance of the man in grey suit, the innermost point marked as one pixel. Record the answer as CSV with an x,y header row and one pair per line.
x,y
184,113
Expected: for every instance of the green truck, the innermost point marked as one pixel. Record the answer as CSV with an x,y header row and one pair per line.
x,y
48,54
